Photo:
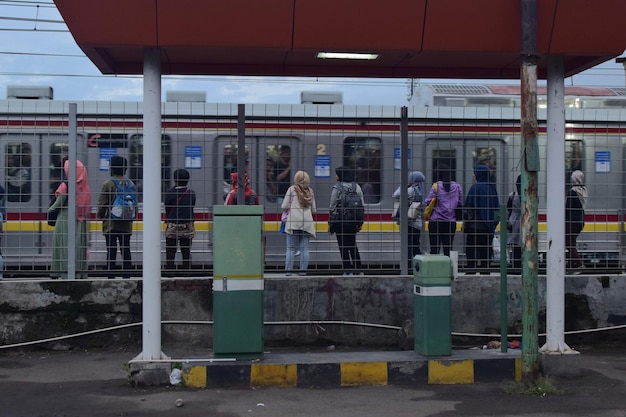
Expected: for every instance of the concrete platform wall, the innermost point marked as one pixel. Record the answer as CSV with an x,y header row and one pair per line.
x,y
353,311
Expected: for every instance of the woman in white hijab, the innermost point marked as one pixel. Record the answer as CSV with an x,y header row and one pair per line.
x,y
575,203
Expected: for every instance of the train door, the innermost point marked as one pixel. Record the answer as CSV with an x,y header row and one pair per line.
x,y
32,165
271,163
459,156
22,191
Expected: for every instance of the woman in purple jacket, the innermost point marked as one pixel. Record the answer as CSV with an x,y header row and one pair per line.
x,y
442,225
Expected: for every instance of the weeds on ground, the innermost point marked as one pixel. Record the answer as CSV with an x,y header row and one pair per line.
x,y
542,387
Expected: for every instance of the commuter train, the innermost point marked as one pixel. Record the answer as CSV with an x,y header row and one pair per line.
x,y
456,125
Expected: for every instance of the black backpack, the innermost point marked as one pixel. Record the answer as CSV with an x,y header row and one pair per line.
x,y
349,212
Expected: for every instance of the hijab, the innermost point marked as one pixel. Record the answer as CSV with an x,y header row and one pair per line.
x,y
578,186
234,178
417,180
301,181
83,194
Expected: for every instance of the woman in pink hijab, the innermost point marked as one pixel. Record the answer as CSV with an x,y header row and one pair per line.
x,y
60,237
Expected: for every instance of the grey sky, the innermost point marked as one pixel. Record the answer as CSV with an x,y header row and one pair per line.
x,y
37,49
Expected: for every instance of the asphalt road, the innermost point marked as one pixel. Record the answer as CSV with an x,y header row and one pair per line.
x,y
93,383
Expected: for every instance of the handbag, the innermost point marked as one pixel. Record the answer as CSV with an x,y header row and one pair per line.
x,y
428,211
285,215
52,217
414,210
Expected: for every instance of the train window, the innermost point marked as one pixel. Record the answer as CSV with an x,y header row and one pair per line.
x,y
135,162
277,171
108,140
444,159
58,152
230,160
574,156
486,156
18,171
364,156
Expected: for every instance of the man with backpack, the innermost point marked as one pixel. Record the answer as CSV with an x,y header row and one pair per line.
x,y
346,219
117,208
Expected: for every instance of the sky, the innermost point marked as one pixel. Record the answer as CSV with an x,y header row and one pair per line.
x,y
36,48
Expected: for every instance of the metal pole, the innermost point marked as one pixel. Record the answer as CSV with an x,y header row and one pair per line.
x,y
152,205
530,168
404,174
504,319
555,210
71,194
241,153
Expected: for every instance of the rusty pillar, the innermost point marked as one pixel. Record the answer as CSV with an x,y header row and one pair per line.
x,y
530,169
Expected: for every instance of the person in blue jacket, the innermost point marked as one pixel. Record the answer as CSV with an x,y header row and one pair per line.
x,y
479,225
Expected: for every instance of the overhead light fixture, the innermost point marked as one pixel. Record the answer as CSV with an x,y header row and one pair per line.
x,y
345,55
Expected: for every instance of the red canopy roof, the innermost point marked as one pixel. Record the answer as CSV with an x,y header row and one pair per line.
x,y
414,38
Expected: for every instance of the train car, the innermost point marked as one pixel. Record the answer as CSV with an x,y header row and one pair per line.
x,y
456,126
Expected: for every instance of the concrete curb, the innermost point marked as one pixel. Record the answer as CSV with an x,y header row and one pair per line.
x,y
340,369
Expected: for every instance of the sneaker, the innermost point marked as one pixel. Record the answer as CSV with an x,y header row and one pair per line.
x,y
347,274
359,273
302,274
297,253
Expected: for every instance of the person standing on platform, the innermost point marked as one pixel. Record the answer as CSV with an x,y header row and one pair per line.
x,y
442,224
346,233
575,203
415,194
251,196
179,202
299,203
479,226
514,224
116,232
59,265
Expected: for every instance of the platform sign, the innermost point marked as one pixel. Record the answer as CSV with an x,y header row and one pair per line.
x,y
322,166
193,157
603,161
396,158
105,157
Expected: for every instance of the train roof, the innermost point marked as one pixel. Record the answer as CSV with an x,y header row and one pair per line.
x,y
463,101
479,95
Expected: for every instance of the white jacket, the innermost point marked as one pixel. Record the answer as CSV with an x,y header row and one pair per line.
x,y
298,218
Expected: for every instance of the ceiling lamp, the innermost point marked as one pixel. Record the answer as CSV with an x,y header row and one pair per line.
x,y
345,55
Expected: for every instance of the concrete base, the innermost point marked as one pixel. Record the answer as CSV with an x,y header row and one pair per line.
x,y
565,365
149,373
144,372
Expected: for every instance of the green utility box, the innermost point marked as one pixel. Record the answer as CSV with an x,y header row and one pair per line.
x,y
238,282
432,306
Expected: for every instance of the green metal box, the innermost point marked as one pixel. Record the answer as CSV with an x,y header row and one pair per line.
x,y
432,305
238,282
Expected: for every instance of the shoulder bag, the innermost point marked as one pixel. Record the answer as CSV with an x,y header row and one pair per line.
x,y
428,211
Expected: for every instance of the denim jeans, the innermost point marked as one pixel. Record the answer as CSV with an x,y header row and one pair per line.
x,y
299,240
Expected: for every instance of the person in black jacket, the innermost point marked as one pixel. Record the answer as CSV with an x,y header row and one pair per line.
x,y
575,203
179,202
346,234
